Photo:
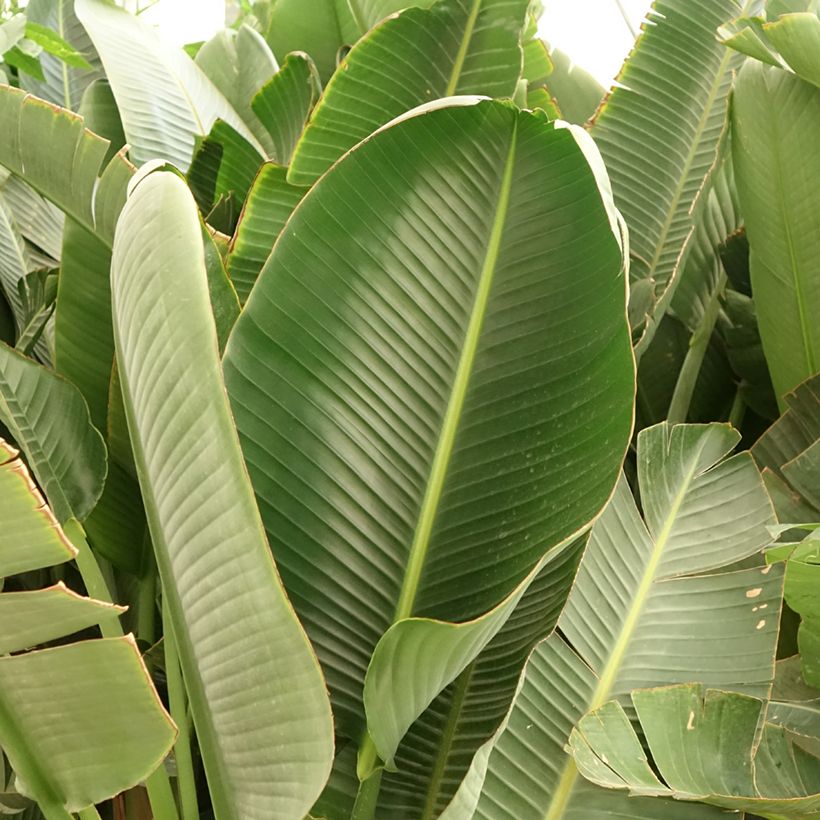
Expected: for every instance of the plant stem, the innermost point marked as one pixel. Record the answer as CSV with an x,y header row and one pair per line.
x,y
698,345
738,410
92,576
160,795
368,796
186,781
146,607
90,813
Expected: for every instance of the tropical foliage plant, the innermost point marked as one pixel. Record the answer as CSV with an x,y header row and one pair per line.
x,y
396,425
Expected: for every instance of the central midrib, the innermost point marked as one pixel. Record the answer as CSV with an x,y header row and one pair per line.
x,y
452,416
458,65
607,678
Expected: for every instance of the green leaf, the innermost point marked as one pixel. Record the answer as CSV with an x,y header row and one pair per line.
x,y
63,84
390,368
788,451
30,536
11,32
707,747
40,222
269,204
136,59
49,420
577,92
643,601
35,617
255,688
24,63
658,132
437,751
12,263
239,63
454,47
284,103
64,711
774,117
52,43
40,142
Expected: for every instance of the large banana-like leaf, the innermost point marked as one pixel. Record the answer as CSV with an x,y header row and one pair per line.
x,y
66,710
62,84
576,91
454,47
12,263
50,149
403,465
774,118
258,699
49,420
40,222
641,613
707,746
658,131
164,97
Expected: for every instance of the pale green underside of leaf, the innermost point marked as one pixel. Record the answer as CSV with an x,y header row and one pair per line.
x,y
51,150
789,454
659,128
63,85
65,711
774,118
370,393
184,103
264,728
72,706
31,618
30,536
49,420
709,746
641,613
454,47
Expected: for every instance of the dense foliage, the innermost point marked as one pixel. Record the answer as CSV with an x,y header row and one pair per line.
x,y
393,425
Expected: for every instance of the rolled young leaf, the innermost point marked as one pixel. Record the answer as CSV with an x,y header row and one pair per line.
x,y
256,693
433,382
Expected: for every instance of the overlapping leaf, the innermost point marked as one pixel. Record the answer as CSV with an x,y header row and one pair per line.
x,y
369,393
618,631
256,693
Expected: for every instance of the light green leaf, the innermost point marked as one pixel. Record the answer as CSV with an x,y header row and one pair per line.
x,y
454,47
12,263
774,117
270,202
639,615
137,62
65,711
53,44
658,131
577,92
52,151
255,689
707,747
40,222
30,536
789,454
11,32
384,374
63,84
35,617
239,63
49,420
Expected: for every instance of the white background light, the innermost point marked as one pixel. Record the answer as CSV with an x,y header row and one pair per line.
x,y
592,32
